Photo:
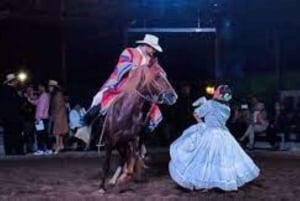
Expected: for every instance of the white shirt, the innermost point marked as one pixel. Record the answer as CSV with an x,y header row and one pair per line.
x,y
75,118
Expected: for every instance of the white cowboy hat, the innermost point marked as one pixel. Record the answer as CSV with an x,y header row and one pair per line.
x,y
9,78
53,83
152,41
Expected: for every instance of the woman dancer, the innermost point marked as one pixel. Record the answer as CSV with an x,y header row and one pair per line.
x,y
207,156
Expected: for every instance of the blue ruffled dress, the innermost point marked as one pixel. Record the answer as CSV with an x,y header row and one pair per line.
x,y
207,156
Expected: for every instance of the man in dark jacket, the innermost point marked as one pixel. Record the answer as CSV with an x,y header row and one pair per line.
x,y
28,118
10,113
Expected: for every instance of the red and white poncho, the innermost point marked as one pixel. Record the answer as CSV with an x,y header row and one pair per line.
x,y
129,59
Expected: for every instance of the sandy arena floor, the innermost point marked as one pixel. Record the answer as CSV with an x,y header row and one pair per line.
x,y
75,176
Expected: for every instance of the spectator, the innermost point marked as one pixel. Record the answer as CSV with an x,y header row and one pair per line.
x,y
10,109
279,123
28,111
253,103
183,108
240,120
294,123
41,121
260,124
58,114
75,117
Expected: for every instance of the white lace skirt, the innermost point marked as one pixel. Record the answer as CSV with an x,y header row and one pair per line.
x,y
206,157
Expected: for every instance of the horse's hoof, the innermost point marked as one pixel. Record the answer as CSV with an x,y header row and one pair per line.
x,y
123,180
112,182
204,190
101,191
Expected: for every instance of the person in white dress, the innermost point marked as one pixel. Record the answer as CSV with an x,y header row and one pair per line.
x,y
206,155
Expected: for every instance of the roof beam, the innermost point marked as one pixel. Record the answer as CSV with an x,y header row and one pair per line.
x,y
174,30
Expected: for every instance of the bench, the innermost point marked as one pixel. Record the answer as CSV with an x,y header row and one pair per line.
x,y
1,141
261,137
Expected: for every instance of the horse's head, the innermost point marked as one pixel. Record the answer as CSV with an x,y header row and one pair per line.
x,y
155,85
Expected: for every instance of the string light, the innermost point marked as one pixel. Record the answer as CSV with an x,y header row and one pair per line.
x,y
210,90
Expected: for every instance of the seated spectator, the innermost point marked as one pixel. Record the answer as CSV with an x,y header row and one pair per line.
x,y
75,117
240,120
260,124
295,120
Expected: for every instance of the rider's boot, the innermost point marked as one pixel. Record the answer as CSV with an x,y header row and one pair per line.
x,y
91,115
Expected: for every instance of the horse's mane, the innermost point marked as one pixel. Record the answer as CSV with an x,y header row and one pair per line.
x,y
128,108
142,76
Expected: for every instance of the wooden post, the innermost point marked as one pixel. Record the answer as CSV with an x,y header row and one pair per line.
x,y
277,63
217,57
63,44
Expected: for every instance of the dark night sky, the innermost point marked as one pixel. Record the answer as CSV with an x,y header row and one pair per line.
x,y
32,36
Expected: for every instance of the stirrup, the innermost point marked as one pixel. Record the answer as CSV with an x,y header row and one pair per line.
x,y
99,147
92,114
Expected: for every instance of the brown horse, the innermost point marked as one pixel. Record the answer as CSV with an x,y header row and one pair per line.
x,y
128,116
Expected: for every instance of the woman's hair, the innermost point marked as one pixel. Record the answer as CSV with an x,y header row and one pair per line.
x,y
225,92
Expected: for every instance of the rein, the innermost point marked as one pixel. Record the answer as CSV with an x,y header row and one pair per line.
x,y
143,96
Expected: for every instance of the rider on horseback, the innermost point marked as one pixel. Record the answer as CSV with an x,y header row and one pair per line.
x,y
129,59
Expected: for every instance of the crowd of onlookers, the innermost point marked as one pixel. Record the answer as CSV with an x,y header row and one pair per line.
x,y
40,120
251,119
37,119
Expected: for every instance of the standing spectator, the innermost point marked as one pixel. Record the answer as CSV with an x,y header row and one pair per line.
x,y
67,102
75,117
253,103
42,119
58,114
278,124
184,108
232,123
10,110
28,111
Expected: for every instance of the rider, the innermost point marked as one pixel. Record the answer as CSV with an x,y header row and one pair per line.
x,y
129,59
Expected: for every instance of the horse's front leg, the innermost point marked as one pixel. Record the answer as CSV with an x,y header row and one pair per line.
x,y
122,153
105,167
139,157
128,167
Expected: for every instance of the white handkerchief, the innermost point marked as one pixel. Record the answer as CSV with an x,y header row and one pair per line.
x,y
39,126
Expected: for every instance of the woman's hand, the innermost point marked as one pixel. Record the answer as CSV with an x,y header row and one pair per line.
x,y
197,117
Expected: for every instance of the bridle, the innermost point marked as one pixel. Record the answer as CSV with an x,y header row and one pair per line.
x,y
152,97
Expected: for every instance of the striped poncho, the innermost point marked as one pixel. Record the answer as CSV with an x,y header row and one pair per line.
x,y
129,59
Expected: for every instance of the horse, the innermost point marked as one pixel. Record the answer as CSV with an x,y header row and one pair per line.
x,y
129,115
